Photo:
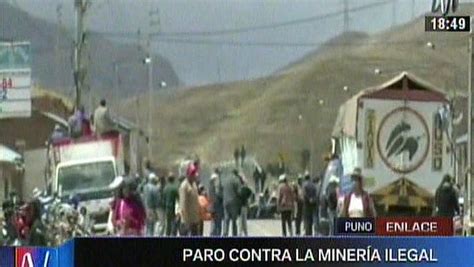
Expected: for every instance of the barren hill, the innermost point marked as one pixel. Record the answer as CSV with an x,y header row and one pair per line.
x,y
52,56
264,114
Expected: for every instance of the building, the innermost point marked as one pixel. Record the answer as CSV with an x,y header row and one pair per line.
x,y
27,136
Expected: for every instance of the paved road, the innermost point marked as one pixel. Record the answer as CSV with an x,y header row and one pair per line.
x,y
257,228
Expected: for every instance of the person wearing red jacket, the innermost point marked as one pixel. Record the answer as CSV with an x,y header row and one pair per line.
x,y
129,212
286,204
193,171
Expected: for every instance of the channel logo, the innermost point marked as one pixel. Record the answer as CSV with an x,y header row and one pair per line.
x,y
36,257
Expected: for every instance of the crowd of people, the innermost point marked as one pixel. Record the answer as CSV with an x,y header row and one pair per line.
x,y
170,206
159,206
306,203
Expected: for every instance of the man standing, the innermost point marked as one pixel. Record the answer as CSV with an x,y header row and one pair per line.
x,y
316,220
151,195
332,197
57,134
298,188
245,193
310,204
446,199
286,204
189,206
161,206
76,122
217,205
236,157
102,120
243,154
263,178
231,197
257,176
170,195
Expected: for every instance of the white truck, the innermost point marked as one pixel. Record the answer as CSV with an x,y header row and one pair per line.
x,y
394,133
85,168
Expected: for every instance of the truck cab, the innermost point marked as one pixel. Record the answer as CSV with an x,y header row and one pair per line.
x,y
84,168
88,180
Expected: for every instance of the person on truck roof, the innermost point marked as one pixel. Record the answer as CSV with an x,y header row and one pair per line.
x,y
103,122
57,134
79,124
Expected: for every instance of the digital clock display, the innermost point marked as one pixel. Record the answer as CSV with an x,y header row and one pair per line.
x,y
447,23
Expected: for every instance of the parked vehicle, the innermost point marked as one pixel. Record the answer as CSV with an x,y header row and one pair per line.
x,y
84,168
398,134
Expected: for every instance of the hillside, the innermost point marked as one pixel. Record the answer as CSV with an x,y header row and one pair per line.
x,y
52,57
263,114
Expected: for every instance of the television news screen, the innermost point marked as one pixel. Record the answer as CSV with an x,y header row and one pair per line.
x,y
236,133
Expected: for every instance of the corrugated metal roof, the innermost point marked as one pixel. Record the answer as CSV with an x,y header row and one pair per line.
x,y
55,118
9,155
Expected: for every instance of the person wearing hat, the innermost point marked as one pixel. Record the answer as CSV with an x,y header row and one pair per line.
x,y
257,176
332,197
129,211
231,198
150,197
115,186
57,134
310,204
286,204
446,198
298,189
358,203
217,205
189,206
204,208
170,196
103,122
245,194
193,170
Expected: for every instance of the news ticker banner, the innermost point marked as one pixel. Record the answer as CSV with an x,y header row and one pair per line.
x,y
159,252
395,226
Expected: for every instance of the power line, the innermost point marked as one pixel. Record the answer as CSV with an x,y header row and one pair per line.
x,y
253,28
290,44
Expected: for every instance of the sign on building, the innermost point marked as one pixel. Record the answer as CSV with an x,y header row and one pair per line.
x,y
15,80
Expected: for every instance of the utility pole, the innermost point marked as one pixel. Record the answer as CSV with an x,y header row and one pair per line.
x,y
219,77
394,12
137,109
79,50
57,49
116,81
346,15
470,154
150,61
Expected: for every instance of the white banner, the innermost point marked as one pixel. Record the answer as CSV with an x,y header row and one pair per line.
x,y
15,80
14,109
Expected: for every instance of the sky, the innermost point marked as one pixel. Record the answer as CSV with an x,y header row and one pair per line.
x,y
236,56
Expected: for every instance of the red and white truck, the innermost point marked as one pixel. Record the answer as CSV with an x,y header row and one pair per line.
x,y
85,168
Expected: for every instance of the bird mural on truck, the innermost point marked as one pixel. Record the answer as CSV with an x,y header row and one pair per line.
x,y
398,141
